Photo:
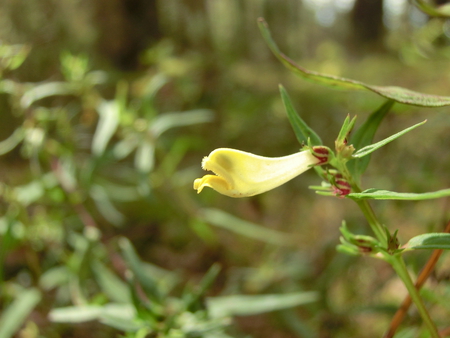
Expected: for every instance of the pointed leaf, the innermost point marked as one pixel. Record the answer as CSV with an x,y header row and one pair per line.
x,y
15,314
398,94
11,142
364,136
346,128
430,241
208,279
116,289
134,263
106,126
167,121
241,305
105,206
379,194
12,56
371,148
75,314
438,11
44,90
224,220
301,129
84,313
118,322
144,159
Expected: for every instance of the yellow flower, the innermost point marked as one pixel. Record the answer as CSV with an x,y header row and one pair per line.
x,y
242,174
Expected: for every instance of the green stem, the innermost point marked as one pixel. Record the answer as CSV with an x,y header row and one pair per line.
x,y
377,228
397,262
365,207
399,266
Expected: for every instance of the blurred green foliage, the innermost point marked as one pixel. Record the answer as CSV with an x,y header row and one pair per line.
x,y
102,134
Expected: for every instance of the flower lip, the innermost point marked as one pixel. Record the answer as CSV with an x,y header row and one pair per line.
x,y
241,174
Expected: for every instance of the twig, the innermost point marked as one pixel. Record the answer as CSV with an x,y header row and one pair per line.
x,y
445,332
423,276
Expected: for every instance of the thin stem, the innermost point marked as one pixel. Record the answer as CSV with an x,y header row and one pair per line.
x,y
365,207
396,261
377,228
423,276
399,266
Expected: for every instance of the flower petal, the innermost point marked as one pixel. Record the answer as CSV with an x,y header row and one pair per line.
x,y
241,174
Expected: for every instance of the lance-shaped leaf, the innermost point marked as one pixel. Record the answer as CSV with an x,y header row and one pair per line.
x,y
44,90
398,94
106,127
239,226
12,56
429,241
11,142
302,131
364,136
167,121
16,313
119,316
242,305
148,282
380,194
439,11
371,148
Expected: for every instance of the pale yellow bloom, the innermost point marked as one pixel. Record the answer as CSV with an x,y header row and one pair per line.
x,y
242,174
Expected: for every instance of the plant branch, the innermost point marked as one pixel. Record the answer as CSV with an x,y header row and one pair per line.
x,y
365,207
423,276
396,261
399,266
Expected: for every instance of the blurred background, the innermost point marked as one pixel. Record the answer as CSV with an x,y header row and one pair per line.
x,y
107,108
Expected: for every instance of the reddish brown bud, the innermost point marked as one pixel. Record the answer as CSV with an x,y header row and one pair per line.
x,y
321,153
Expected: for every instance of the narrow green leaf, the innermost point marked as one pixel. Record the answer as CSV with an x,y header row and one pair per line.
x,y
12,56
364,136
346,128
241,305
438,11
167,121
44,90
116,289
119,323
430,241
105,206
124,147
106,126
11,142
379,194
29,193
192,297
224,220
371,148
144,159
54,277
75,314
148,283
348,249
14,315
154,85
398,94
208,279
301,129
84,313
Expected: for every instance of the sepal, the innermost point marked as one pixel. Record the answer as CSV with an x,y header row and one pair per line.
x,y
357,244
